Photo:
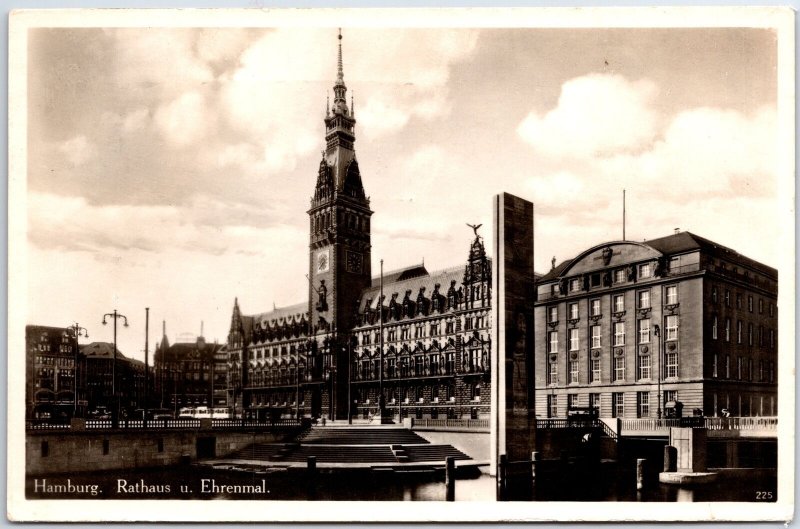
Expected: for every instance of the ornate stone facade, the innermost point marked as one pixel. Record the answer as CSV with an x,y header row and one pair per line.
x,y
310,358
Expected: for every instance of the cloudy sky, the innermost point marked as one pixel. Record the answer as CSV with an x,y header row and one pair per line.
x,y
172,168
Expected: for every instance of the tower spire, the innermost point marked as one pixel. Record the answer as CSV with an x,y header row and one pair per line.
x,y
340,73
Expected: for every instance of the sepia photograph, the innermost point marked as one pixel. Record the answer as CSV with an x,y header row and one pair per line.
x,y
506,264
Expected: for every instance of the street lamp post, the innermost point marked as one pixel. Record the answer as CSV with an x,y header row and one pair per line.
x,y
77,331
115,315
657,332
146,363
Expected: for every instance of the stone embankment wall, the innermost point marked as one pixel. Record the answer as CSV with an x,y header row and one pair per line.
x,y
64,452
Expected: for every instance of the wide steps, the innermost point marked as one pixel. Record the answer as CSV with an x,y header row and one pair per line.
x,y
361,436
339,454
419,454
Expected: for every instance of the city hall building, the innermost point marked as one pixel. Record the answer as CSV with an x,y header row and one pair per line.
x,y
673,325
419,338
632,329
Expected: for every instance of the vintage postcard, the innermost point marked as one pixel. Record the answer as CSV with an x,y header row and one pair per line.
x,y
505,264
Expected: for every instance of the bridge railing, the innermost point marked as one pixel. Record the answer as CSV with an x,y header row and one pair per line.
x,y
157,424
451,424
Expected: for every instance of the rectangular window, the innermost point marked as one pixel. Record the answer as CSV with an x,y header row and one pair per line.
x,y
644,330
594,373
644,367
574,285
595,307
750,369
738,301
574,341
714,367
404,333
594,400
727,329
572,401
573,311
645,271
750,303
727,366
435,329
672,295
619,275
552,406
595,280
644,299
771,309
750,334
670,396
619,368
594,331
619,333
617,404
739,331
714,328
552,314
552,373
552,341
619,303
714,294
761,371
739,368
671,364
727,298
573,372
643,404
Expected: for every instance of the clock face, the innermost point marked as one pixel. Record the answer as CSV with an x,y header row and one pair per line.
x,y
355,262
323,261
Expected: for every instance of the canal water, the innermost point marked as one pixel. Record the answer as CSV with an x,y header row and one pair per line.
x,y
198,482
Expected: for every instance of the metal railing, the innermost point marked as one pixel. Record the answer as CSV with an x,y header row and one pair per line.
x,y
472,424
157,424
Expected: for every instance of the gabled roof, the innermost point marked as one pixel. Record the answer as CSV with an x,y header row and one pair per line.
x,y
400,283
400,274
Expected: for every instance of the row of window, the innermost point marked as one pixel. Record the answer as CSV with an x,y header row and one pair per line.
x,y
476,359
422,330
59,361
643,403
726,300
645,330
762,337
618,304
618,369
744,369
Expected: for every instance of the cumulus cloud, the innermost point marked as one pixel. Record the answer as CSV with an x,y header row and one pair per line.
x,y
184,120
596,115
206,225
78,150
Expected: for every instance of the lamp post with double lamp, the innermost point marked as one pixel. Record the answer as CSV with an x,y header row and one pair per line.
x,y
657,332
77,331
115,315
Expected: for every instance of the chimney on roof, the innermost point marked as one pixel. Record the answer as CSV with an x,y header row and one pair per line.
x,y
677,231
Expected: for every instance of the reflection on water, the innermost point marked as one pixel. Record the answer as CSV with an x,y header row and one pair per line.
x,y
191,482
195,482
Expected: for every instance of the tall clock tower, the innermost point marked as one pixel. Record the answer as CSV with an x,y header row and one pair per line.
x,y
339,250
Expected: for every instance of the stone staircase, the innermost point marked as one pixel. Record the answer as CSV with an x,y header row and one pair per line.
x,y
354,446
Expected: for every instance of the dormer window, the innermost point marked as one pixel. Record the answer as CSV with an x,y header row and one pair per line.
x,y
574,285
619,275
645,271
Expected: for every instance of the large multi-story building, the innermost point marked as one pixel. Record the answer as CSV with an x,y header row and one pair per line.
x,y
638,329
108,376
189,374
53,373
434,358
